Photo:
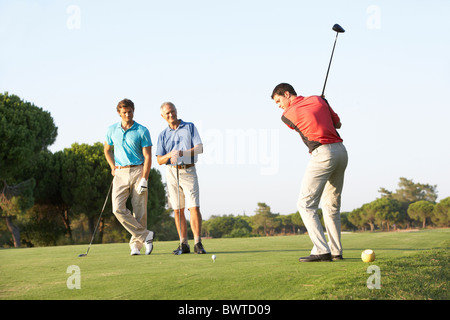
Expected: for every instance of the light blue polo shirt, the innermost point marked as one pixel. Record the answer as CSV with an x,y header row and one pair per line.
x,y
185,137
128,144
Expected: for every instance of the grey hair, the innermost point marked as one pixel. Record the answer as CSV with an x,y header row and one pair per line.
x,y
167,103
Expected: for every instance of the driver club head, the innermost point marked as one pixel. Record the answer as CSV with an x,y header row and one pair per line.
x,y
82,255
338,28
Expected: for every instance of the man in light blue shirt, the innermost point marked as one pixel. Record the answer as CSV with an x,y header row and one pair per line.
x,y
183,138
130,143
178,147
130,164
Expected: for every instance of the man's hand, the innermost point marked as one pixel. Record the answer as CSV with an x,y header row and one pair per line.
x,y
142,186
174,154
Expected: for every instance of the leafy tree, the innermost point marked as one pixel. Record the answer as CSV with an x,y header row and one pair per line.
x,y
25,130
289,223
409,192
387,211
356,218
227,226
47,217
380,212
165,227
85,181
441,213
345,223
220,226
368,215
421,210
14,201
157,215
43,226
264,221
241,227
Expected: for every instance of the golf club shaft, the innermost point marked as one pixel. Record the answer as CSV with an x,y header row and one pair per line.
x,y
332,52
179,209
98,222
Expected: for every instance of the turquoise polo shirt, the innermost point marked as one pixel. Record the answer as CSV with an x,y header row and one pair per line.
x,y
128,144
185,137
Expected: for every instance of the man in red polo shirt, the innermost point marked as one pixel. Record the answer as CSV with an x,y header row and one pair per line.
x,y
316,123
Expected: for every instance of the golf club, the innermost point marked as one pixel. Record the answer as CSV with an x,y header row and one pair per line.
x,y
98,222
180,250
338,30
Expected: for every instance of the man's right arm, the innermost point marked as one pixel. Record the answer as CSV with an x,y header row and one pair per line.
x,y
163,159
109,155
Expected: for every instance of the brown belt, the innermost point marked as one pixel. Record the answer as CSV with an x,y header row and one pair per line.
x,y
130,166
184,166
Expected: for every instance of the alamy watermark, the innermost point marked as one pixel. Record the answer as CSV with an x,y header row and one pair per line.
x,y
374,281
373,21
253,147
74,280
73,21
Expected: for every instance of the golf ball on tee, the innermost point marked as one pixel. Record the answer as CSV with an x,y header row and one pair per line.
x,y
368,255
213,257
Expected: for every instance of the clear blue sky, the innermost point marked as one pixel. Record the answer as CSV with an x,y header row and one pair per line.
x,y
218,62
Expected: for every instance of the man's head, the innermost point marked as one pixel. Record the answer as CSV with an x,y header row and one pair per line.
x,y
283,94
169,112
125,103
125,109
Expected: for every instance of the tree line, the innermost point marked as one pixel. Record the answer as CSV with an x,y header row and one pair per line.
x,y
55,198
413,205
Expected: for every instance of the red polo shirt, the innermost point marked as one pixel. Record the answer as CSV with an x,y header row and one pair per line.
x,y
314,119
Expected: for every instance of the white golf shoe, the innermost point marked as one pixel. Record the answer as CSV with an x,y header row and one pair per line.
x,y
149,243
135,251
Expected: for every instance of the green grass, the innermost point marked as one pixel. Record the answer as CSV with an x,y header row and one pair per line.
x,y
413,265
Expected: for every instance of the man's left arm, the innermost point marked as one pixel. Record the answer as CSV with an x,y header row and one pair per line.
x,y
143,183
147,152
196,141
338,125
336,120
196,150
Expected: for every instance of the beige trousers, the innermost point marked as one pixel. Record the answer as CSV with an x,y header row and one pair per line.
x,y
125,184
322,183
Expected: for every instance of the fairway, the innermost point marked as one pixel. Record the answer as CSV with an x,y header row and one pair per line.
x,y
412,265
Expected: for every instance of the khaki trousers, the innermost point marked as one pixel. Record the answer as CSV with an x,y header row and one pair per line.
x,y
323,182
125,184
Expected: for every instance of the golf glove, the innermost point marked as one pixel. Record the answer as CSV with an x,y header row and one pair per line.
x,y
142,186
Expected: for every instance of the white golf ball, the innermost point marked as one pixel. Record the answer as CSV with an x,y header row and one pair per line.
x,y
213,257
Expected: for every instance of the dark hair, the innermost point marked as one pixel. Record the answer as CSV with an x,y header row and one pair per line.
x,y
125,103
282,88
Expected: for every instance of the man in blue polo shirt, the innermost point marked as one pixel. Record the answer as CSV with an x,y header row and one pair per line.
x,y
130,162
178,147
